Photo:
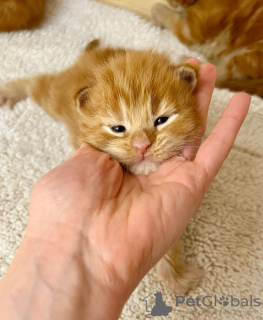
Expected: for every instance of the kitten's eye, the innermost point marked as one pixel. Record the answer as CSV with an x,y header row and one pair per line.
x,y
118,129
160,121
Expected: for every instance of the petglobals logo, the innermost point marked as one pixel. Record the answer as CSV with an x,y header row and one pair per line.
x,y
224,301
155,306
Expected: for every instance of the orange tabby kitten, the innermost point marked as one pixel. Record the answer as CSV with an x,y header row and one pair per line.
x,y
135,105
228,33
20,14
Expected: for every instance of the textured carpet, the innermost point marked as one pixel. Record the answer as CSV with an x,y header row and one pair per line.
x,y
225,238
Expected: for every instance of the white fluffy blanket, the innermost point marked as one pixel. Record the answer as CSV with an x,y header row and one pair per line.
x,y
225,238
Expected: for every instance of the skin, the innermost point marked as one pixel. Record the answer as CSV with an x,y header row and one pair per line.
x,y
88,244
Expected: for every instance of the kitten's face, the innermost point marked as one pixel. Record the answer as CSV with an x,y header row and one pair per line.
x,y
141,110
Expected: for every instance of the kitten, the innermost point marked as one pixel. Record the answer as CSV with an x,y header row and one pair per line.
x,y
134,105
20,14
227,33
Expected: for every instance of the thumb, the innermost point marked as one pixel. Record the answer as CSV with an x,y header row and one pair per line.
x,y
85,149
95,160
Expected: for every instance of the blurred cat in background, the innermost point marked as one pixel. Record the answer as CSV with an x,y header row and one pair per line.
x,y
134,105
20,14
228,34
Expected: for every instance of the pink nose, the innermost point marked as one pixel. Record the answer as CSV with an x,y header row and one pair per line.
x,y
141,146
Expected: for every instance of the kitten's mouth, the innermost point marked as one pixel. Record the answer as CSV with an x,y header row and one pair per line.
x,y
143,158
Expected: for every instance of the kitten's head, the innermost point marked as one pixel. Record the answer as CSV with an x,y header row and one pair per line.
x,y
141,109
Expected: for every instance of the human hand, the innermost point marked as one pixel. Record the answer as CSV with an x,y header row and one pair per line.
x,y
129,222
93,223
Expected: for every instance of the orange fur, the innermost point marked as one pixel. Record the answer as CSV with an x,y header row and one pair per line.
x,y
108,87
113,87
20,14
228,33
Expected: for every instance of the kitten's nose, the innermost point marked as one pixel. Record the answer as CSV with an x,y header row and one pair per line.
x,y
141,146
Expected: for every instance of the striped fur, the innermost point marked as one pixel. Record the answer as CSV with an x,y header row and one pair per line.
x,y
116,87
20,14
228,33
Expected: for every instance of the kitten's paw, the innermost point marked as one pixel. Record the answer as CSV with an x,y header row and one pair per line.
x,y
176,3
158,14
162,15
180,282
7,98
182,58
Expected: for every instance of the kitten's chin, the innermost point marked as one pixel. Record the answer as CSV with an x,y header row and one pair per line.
x,y
143,167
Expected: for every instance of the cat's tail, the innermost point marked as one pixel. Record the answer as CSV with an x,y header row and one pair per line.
x,y
92,45
252,86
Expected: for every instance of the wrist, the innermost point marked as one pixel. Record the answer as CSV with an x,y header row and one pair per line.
x,y
51,278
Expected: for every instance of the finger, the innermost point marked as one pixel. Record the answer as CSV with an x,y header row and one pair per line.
x,y
217,146
189,152
205,88
101,160
84,149
204,93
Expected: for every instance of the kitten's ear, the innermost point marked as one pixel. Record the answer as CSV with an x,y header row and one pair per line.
x,y
81,97
189,74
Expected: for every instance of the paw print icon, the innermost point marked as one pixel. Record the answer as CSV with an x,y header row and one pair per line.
x,y
223,301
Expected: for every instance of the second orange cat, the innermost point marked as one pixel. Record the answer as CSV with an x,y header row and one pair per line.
x,y
228,33
20,14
